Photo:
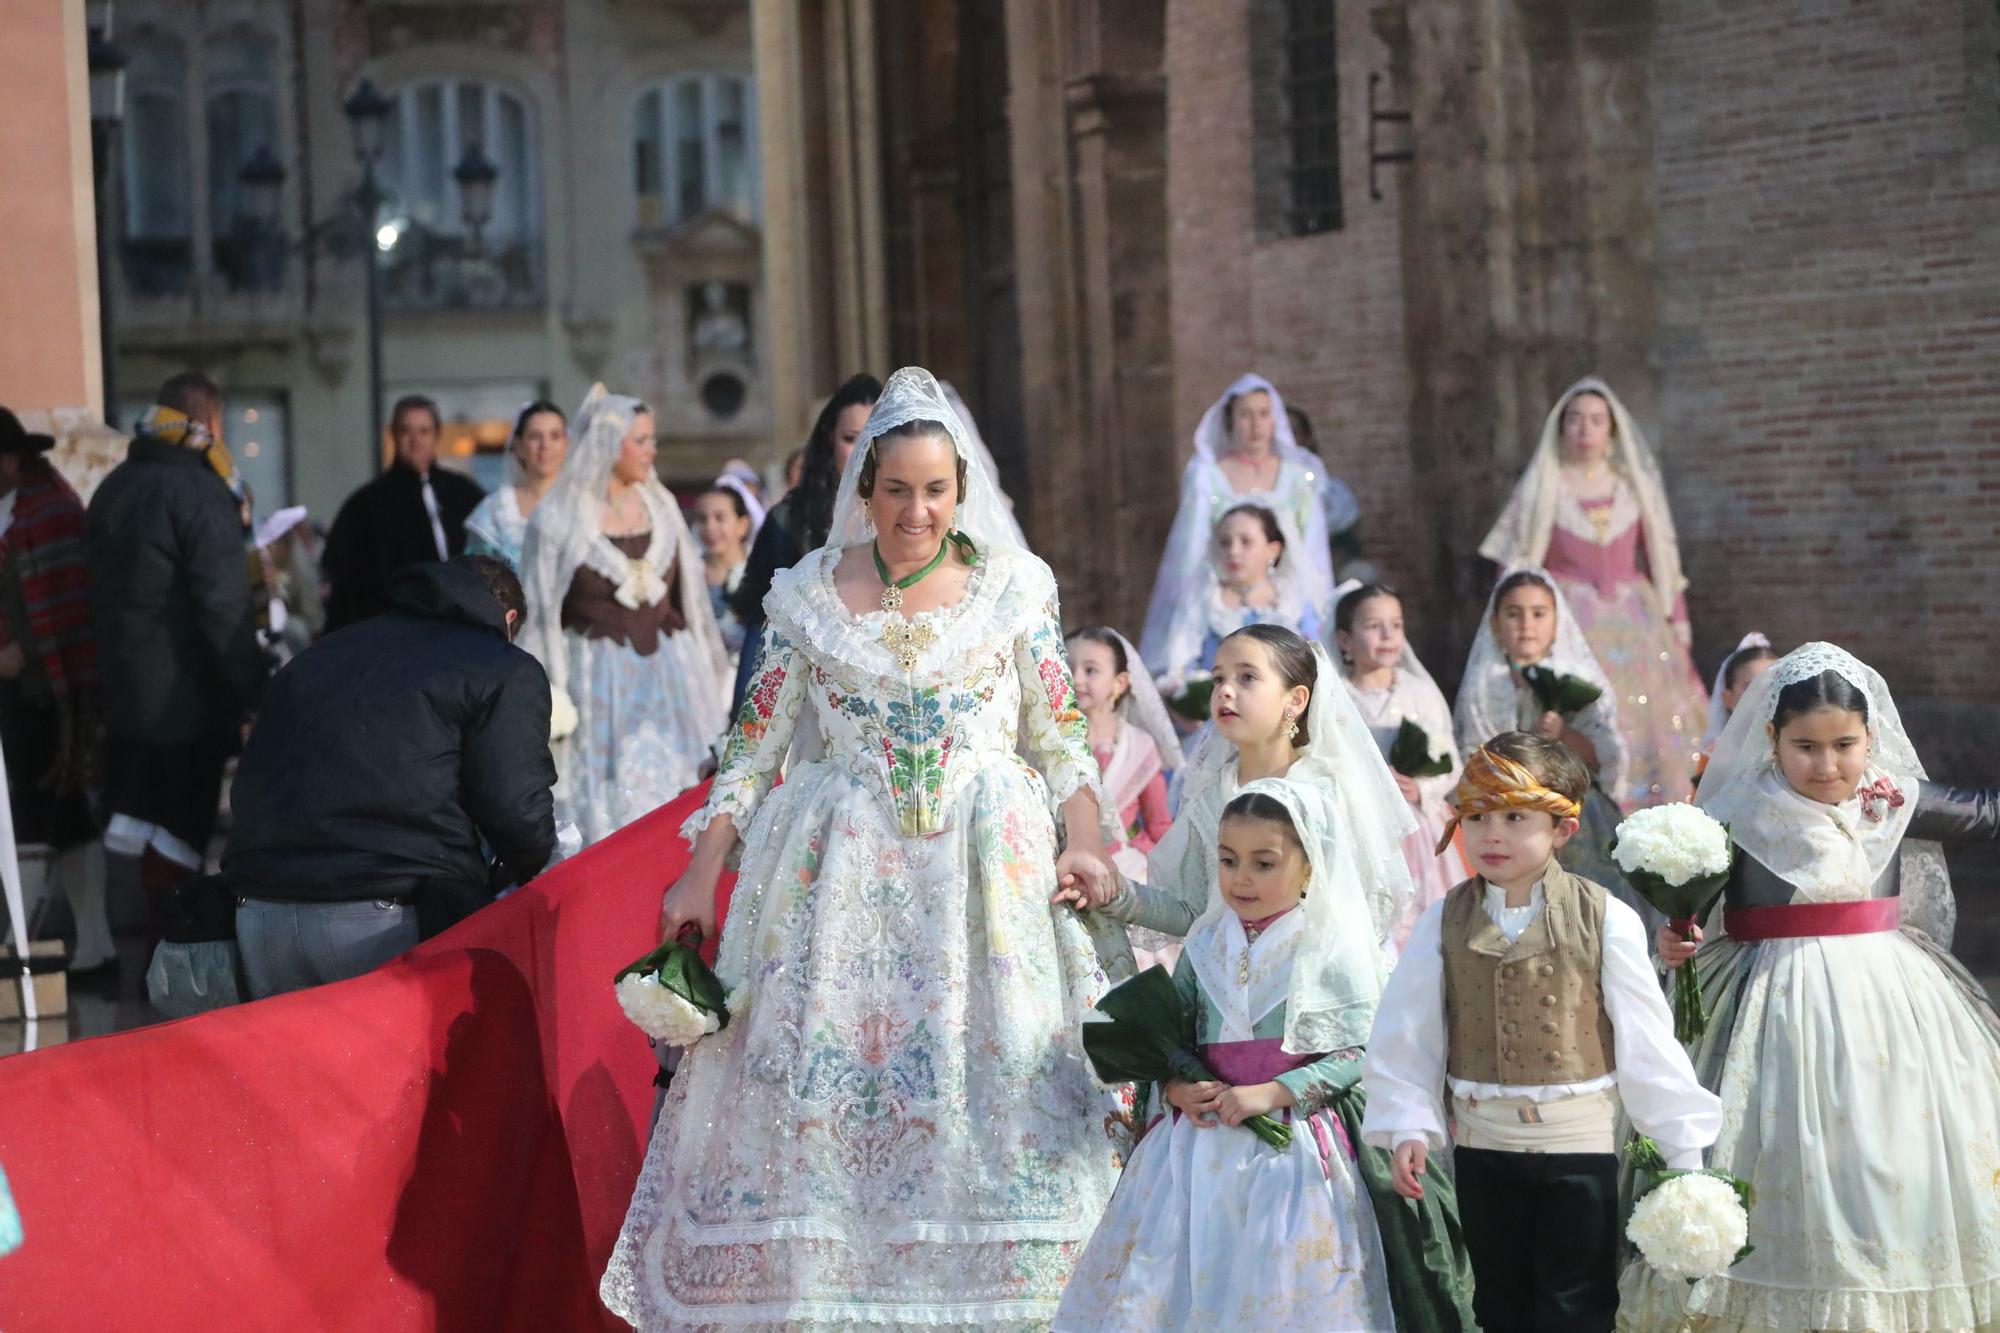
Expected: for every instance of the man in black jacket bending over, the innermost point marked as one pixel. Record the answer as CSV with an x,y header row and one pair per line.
x,y
389,756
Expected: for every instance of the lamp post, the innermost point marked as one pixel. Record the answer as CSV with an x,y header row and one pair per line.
x,y
107,108
476,175
367,114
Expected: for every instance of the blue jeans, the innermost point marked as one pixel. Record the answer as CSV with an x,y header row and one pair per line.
x,y
290,946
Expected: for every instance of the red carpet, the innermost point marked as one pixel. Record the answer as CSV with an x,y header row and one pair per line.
x,y
447,1143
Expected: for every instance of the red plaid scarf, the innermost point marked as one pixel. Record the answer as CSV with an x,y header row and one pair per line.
x,y
45,546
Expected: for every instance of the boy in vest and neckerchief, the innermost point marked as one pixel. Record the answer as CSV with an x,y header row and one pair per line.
x,y
1525,998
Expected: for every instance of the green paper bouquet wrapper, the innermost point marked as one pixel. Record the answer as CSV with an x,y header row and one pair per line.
x,y
1145,1036
1410,753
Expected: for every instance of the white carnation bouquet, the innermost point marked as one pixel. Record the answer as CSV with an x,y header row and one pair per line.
x,y
562,714
672,996
1687,1224
1677,857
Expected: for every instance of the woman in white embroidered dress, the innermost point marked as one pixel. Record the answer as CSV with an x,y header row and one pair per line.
x,y
535,454
618,614
1592,510
898,1127
1244,453
1858,1063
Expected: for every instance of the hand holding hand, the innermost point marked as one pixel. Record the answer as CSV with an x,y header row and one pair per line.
x,y
1236,1105
1405,1165
1674,950
1196,1101
1083,873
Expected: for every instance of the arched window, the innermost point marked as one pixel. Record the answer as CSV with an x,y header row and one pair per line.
x,y
428,134
242,117
432,126
694,141
159,214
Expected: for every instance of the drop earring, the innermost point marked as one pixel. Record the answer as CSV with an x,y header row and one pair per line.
x,y
1291,725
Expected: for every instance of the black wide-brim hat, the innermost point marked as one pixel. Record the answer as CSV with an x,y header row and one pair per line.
x,y
14,439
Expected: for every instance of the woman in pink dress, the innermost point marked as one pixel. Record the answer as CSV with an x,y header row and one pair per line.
x,y
1591,509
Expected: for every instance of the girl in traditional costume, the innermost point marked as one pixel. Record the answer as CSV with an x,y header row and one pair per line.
x,y
1392,689
1591,510
1253,577
619,617
897,1128
1265,680
724,522
1244,453
1528,623
535,453
1858,1063
1136,747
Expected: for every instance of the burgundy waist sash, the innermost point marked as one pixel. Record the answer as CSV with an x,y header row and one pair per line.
x,y
1242,1063
1790,921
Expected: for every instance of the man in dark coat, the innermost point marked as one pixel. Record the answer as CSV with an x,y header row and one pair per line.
x,y
414,512
176,626
388,759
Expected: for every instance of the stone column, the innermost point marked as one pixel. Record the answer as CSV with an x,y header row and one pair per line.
x,y
48,263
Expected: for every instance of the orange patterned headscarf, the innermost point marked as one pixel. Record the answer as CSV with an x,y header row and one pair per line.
x,y
1495,782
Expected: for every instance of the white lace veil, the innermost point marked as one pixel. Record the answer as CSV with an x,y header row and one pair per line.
x,y
1143,707
1821,849
1486,700
1352,819
1409,664
1338,754
1521,536
1189,625
566,532
1202,488
914,394
978,443
1718,711
734,484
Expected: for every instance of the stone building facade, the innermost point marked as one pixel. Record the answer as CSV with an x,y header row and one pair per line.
x,y
1775,228
623,244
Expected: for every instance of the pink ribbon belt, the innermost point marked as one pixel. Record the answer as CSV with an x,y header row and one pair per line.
x,y
1791,921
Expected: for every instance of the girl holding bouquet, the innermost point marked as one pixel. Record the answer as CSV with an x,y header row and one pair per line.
x,y
1529,636
1857,1062
1135,746
1397,697
1267,725
1210,1226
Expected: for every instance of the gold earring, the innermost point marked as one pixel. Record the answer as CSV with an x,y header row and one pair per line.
x,y
1291,726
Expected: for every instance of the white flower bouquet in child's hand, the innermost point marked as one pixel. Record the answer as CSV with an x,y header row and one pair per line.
x,y
1677,857
1687,1224
672,995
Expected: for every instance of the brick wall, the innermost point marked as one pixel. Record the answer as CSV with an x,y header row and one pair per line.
x,y
1817,358
1320,316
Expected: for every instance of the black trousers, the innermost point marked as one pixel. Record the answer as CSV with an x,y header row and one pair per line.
x,y
1542,1231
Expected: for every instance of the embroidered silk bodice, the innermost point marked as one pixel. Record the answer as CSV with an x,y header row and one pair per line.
x,y
916,708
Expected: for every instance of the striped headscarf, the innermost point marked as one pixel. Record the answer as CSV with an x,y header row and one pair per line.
x,y
1494,782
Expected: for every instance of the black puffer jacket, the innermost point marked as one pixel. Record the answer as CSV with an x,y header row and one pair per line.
x,y
386,751
170,599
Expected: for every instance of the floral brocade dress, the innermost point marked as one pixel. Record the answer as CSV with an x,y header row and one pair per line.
x,y
898,1127
1596,553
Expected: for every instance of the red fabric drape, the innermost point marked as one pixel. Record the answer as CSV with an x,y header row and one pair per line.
x,y
446,1143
